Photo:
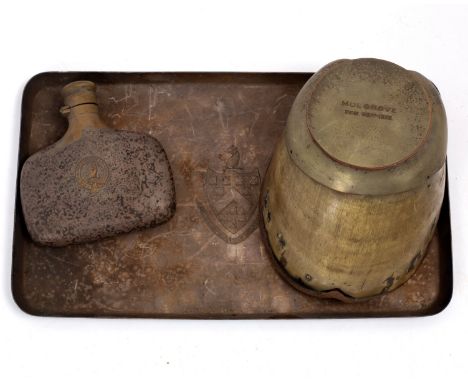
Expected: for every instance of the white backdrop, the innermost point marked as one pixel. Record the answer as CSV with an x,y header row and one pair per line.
x,y
233,36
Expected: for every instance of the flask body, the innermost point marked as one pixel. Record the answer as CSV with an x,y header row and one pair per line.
x,y
95,182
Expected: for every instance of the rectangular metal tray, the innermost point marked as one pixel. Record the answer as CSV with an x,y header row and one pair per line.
x,y
195,266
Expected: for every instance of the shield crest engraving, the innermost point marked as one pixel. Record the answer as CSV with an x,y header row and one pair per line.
x,y
231,198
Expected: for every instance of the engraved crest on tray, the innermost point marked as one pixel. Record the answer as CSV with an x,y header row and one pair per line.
x,y
230,198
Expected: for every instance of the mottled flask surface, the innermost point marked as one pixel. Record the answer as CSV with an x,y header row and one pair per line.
x,y
94,182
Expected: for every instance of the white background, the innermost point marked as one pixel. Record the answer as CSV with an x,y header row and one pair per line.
x,y
234,36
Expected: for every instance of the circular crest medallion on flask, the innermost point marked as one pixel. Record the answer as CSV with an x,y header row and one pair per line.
x,y
92,173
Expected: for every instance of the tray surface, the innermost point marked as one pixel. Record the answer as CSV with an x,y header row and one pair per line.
x,y
219,130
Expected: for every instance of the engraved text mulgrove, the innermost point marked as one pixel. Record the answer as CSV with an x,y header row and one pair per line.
x,y
368,110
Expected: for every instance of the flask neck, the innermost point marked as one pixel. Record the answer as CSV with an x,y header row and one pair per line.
x,y
81,117
80,108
